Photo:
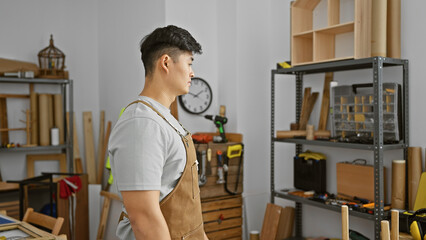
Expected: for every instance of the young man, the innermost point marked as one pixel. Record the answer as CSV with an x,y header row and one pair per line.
x,y
152,155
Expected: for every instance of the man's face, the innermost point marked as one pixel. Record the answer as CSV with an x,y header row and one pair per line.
x,y
181,73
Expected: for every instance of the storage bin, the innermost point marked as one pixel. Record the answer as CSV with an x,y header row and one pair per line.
x,y
353,113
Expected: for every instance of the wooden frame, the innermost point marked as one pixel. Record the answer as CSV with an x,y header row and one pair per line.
x,y
34,233
31,159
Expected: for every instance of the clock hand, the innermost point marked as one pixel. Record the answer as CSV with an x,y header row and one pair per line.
x,y
190,93
196,95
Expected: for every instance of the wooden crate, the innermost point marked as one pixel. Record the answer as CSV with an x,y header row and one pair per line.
x,y
211,188
222,217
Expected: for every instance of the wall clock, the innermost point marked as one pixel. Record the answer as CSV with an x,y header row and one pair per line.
x,y
199,97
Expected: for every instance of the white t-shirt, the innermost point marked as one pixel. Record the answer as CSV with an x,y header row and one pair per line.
x,y
145,152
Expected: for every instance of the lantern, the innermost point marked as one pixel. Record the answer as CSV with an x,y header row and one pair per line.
x,y
52,62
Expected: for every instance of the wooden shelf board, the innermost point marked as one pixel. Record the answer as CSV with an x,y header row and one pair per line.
x,y
4,186
305,34
337,29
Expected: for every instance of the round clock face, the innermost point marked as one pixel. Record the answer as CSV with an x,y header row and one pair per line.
x,y
199,98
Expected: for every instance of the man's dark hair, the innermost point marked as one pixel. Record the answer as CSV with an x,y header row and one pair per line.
x,y
169,40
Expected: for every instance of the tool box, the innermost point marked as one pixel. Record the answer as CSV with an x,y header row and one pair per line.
x,y
309,174
356,179
353,113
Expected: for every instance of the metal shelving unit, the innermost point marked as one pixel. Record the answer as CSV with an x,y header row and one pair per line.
x,y
67,99
377,64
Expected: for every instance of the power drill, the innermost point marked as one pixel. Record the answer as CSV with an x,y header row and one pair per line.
x,y
219,122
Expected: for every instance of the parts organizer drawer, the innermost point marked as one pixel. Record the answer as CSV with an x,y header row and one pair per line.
x,y
353,113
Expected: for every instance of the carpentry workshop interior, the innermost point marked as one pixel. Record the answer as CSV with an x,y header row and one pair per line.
x,y
305,118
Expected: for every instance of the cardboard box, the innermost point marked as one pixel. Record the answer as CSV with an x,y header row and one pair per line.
x,y
357,180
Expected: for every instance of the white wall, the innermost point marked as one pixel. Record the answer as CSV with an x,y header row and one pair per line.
x,y
200,19
25,29
121,26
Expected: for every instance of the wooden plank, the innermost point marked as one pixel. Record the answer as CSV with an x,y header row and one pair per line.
x,y
76,148
333,12
385,230
394,224
89,147
14,96
221,204
227,214
81,228
43,119
285,227
3,121
34,117
12,208
325,104
306,94
362,32
4,187
324,46
50,118
345,223
306,112
78,165
101,140
301,20
104,218
225,234
31,159
225,224
270,222
101,166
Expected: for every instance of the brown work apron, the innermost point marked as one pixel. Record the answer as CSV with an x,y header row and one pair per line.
x,y
181,208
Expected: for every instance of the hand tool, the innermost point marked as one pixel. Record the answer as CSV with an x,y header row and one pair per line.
x,y
220,167
233,151
219,122
209,159
203,179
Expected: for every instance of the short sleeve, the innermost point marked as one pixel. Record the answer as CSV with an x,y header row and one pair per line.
x,y
137,154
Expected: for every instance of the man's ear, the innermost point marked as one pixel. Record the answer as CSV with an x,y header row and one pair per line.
x,y
165,62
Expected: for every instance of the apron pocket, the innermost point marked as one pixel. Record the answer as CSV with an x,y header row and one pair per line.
x,y
195,187
197,233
